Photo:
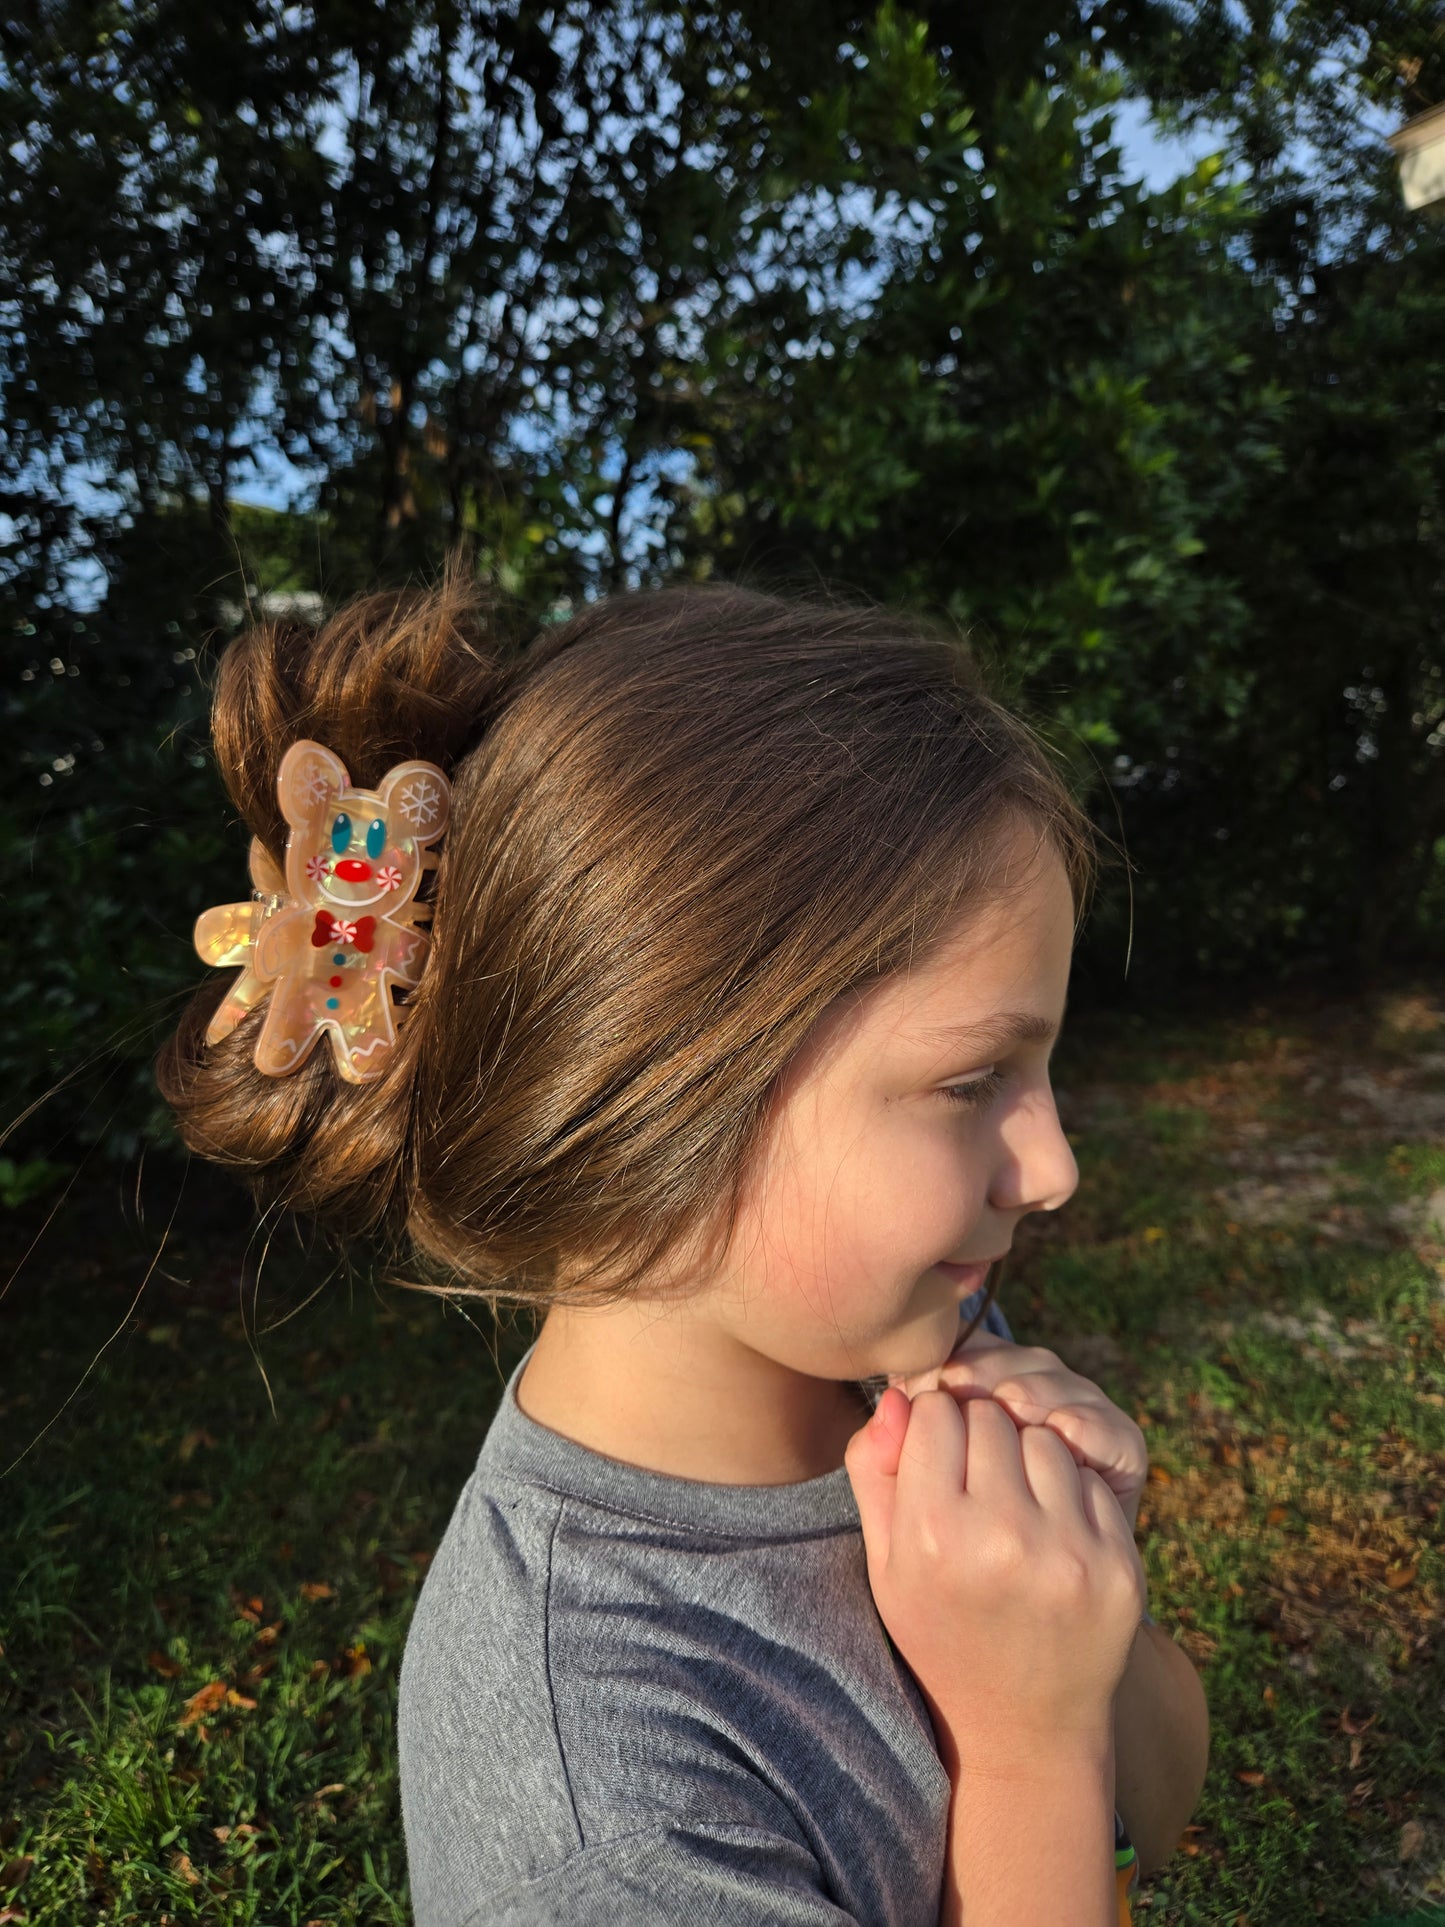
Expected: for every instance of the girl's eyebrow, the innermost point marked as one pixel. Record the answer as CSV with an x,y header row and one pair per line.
x,y
1006,1027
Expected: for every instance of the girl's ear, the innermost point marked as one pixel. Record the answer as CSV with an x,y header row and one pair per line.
x,y
308,781
419,796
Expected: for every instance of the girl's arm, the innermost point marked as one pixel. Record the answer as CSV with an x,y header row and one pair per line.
x,y
1161,1744
1034,1847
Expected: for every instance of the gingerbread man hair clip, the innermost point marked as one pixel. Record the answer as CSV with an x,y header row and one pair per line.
x,y
328,940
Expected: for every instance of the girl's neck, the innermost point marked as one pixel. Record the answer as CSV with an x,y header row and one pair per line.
x,y
683,1398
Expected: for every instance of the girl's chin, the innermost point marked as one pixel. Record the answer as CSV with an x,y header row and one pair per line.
x,y
931,1352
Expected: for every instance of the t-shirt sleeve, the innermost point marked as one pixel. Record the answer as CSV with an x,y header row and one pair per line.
x,y
677,1874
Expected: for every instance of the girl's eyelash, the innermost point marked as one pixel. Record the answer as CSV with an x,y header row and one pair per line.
x,y
977,1093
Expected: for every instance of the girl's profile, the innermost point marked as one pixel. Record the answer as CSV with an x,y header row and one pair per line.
x,y
788,1587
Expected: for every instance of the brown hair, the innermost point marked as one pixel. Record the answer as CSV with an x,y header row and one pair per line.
x,y
684,822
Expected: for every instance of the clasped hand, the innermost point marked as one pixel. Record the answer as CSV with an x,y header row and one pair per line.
x,y
1035,1387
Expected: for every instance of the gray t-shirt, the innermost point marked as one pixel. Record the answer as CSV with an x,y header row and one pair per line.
x,y
630,1698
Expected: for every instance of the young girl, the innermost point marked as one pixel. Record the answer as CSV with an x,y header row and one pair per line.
x,y
751,925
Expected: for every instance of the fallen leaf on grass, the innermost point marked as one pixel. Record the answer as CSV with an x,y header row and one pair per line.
x,y
1412,1839
16,1872
193,1439
181,1865
317,1589
163,1664
1349,1724
1160,1475
1249,1776
210,1696
1276,1515
1398,1577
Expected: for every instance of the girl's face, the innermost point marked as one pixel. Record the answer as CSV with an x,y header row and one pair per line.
x,y
916,1128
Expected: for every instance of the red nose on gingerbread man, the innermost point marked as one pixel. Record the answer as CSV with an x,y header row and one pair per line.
x,y
327,941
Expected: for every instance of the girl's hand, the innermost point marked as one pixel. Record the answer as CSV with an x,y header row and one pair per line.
x,y
1006,1575
1035,1387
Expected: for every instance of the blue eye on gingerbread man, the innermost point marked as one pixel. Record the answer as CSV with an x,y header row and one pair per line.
x,y
376,839
341,835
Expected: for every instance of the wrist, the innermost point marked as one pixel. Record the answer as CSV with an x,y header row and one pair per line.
x,y
1019,1758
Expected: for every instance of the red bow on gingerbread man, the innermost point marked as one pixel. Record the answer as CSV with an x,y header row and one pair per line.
x,y
360,934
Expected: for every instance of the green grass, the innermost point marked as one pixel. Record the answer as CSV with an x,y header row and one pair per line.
x,y
211,1554
171,1537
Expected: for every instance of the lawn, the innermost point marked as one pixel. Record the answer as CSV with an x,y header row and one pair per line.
x,y
212,1549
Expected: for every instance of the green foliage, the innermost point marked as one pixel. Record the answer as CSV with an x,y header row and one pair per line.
x,y
859,291
1097,426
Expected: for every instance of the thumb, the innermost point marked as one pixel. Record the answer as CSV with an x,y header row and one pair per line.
x,y
871,1459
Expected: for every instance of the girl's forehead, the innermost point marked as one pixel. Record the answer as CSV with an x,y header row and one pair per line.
x,y
990,994
1010,954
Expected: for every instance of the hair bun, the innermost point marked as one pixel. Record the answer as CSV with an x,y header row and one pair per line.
x,y
393,676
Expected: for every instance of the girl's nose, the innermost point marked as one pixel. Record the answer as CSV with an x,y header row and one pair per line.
x,y
352,870
1042,1173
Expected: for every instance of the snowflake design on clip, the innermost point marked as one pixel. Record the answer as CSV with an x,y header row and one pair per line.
x,y
318,868
420,802
315,785
389,877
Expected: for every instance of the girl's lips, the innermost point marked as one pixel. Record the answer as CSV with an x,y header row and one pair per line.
x,y
966,1274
